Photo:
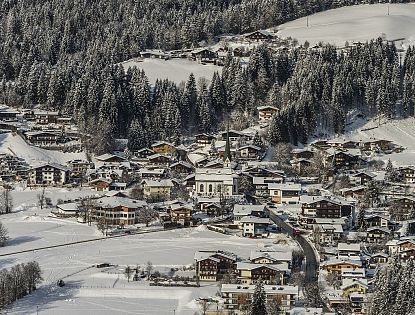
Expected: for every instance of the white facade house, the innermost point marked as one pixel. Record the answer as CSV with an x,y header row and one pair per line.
x,y
255,227
242,211
216,182
288,193
348,251
50,174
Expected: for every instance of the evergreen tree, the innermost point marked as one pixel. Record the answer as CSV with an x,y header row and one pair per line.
x,y
136,136
259,300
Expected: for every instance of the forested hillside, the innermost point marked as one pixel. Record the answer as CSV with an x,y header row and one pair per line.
x,y
63,53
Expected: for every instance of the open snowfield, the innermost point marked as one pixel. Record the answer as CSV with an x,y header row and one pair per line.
x,y
13,144
355,23
93,291
176,70
400,131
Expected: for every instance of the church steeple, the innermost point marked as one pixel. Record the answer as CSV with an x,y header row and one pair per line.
x,y
227,156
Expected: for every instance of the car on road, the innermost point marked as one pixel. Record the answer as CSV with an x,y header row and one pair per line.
x,y
297,232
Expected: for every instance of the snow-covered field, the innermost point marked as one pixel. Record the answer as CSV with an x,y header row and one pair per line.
x,y
400,131
176,70
13,144
92,291
355,23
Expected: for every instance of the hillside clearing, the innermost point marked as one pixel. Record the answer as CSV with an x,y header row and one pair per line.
x,y
358,23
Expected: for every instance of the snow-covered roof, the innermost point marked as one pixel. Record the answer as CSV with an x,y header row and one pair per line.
x,y
113,202
347,283
250,146
247,209
159,143
72,206
378,228
37,133
253,219
348,247
263,32
106,156
183,163
158,183
156,171
224,175
286,186
335,261
269,289
54,165
272,255
241,265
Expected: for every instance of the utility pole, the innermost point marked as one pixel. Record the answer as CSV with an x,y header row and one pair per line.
x,y
307,20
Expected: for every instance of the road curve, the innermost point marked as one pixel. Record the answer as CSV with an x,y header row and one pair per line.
x,y
311,266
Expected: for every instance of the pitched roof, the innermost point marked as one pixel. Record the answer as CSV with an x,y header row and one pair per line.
x,y
107,156
252,219
247,209
113,202
158,183
54,165
272,255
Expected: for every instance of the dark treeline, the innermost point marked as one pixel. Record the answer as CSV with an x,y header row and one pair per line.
x,y
63,55
19,281
393,289
325,85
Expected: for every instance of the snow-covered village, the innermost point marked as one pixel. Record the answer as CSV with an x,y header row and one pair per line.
x,y
245,157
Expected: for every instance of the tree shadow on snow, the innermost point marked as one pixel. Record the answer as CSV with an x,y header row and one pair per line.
x,y
45,297
21,240
7,262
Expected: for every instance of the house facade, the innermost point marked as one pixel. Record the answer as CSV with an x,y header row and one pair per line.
x,y
50,174
216,182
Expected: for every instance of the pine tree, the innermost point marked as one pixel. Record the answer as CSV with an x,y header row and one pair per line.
x,y
361,223
136,136
259,300
205,111
188,105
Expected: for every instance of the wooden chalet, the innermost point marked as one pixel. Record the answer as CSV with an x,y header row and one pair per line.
x,y
204,139
249,273
181,167
143,153
213,265
204,55
159,159
265,113
164,148
46,117
260,35
408,174
180,214
250,152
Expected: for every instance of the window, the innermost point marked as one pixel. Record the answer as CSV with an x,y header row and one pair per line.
x,y
201,188
210,188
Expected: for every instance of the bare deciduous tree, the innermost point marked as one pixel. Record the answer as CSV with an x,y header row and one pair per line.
x,y
6,201
203,305
146,215
137,192
102,226
128,272
41,198
4,235
149,269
